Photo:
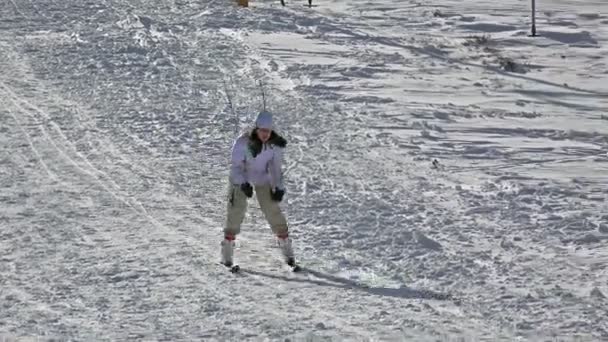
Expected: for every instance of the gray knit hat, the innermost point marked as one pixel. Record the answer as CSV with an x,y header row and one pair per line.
x,y
264,120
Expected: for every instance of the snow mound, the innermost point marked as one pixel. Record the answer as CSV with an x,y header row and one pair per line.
x,y
427,242
487,27
579,39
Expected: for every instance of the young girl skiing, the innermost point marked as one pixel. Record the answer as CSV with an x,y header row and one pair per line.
x,y
256,165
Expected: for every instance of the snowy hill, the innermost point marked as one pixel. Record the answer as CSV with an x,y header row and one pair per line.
x,y
447,175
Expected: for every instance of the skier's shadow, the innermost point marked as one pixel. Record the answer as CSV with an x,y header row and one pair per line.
x,y
343,283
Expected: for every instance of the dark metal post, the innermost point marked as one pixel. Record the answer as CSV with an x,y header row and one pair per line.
x,y
533,18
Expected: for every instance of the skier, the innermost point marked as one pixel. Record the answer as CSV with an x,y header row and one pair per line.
x,y
256,164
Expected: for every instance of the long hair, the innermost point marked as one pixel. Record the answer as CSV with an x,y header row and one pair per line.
x,y
255,144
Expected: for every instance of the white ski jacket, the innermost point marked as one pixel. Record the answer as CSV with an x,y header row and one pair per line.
x,y
263,169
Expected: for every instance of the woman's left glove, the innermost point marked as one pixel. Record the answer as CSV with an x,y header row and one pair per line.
x,y
247,189
277,194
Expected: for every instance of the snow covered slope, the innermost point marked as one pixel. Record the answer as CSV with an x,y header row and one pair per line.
x,y
447,174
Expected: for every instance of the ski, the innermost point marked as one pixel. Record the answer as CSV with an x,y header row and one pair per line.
x,y
291,262
232,268
237,269
309,5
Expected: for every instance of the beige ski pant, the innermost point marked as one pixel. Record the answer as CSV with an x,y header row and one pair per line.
x,y
237,207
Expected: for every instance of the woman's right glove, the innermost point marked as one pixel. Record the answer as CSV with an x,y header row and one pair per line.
x,y
247,189
277,194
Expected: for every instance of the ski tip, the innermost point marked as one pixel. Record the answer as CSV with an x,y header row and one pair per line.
x,y
233,268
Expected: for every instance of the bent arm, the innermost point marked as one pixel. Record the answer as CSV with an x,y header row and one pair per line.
x,y
276,172
237,167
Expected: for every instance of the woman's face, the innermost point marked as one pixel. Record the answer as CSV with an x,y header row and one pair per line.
x,y
263,134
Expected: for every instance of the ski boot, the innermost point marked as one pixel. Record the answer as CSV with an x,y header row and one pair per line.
x,y
287,251
228,252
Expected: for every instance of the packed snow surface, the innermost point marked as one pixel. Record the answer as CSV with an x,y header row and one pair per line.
x,y
447,174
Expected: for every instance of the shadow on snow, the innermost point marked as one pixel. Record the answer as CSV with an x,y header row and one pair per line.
x,y
343,283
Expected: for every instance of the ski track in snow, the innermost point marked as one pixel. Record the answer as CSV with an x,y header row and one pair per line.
x,y
115,133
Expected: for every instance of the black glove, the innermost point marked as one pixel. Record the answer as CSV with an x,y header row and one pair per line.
x,y
247,189
277,194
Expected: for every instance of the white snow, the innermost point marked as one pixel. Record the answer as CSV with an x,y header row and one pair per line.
x,y
115,134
